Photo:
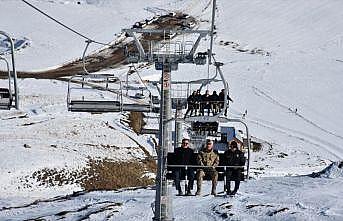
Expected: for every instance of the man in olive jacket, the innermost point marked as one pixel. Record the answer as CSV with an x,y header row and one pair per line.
x,y
207,157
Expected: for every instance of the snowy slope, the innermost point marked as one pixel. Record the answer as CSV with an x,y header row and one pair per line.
x,y
278,56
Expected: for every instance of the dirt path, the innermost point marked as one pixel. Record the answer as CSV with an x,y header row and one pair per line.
x,y
111,56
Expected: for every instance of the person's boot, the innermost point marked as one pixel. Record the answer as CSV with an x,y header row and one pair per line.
x,y
214,192
228,188
236,187
198,192
199,182
214,187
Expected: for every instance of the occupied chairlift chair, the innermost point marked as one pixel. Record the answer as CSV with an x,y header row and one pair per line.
x,y
199,139
162,50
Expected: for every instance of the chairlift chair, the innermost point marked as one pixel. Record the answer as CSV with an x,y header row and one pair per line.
x,y
201,106
6,97
94,93
9,96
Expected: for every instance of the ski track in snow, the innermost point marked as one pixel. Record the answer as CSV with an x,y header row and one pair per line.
x,y
261,93
272,198
310,139
314,140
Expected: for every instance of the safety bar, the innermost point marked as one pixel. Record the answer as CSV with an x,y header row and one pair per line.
x,y
199,166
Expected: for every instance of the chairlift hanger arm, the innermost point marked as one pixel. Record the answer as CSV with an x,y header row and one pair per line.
x,y
84,55
195,46
138,44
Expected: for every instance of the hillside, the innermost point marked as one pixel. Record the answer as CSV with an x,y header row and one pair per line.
x,y
282,60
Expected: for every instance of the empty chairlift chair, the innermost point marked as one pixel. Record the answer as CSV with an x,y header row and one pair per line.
x,y
6,93
94,93
5,99
101,93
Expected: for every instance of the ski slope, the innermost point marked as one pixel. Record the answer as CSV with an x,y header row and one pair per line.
x,y
283,63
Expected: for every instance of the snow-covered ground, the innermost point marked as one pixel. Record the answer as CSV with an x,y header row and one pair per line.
x,y
282,59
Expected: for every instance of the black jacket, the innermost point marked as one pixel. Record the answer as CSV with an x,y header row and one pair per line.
x,y
184,156
191,99
221,97
234,158
214,98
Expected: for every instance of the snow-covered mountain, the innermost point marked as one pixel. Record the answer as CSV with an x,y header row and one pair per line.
x,y
283,61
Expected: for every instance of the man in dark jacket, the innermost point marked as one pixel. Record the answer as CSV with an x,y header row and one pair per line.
x,y
214,102
221,100
191,104
205,103
234,157
197,102
184,156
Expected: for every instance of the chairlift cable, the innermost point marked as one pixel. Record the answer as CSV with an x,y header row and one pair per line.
x,y
65,26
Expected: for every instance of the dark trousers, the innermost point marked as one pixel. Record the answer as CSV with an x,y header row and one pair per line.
x,y
235,175
190,109
178,173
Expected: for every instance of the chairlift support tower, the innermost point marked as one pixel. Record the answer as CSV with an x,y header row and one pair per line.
x,y
166,61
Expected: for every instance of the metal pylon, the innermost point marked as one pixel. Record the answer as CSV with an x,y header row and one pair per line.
x,y
163,209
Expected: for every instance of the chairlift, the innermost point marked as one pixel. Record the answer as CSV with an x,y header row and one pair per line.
x,y
100,93
202,127
6,93
214,108
5,99
9,96
221,140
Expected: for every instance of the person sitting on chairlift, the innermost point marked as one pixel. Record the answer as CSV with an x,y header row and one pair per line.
x,y
205,103
184,156
214,98
191,104
221,101
208,158
197,103
234,157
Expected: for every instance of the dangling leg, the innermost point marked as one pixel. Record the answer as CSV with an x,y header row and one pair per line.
x,y
228,182
200,176
214,175
177,174
190,174
237,183
237,176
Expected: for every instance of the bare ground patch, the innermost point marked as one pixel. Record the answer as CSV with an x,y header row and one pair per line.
x,y
136,121
101,174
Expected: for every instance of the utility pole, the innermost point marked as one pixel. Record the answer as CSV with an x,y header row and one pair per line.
x,y
163,210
